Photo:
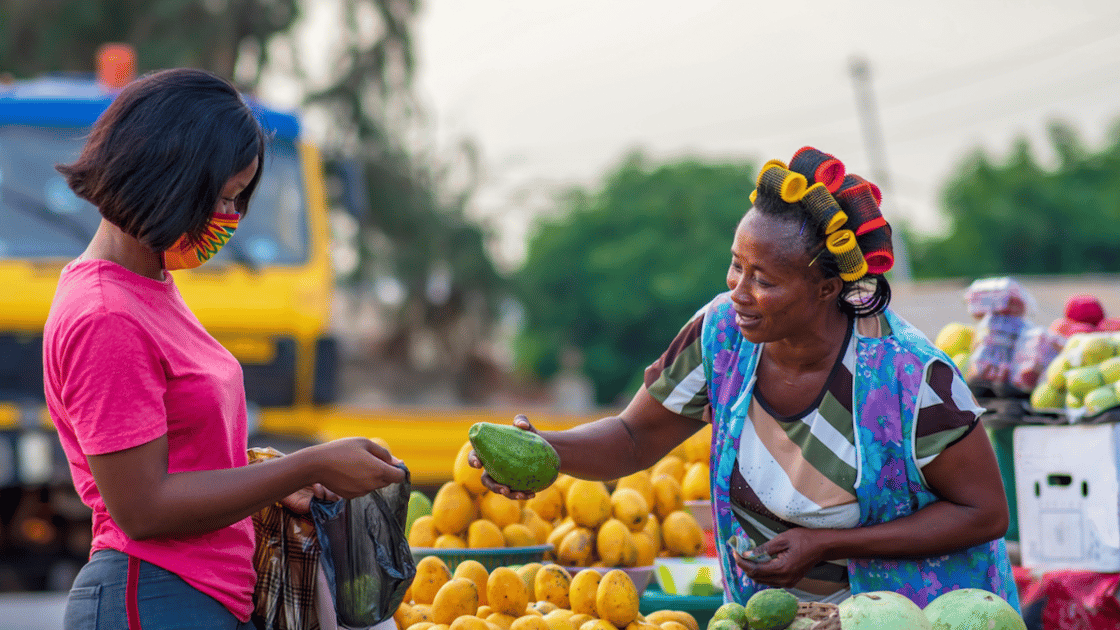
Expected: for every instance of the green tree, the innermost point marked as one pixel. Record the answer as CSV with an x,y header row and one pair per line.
x,y
620,270
1020,218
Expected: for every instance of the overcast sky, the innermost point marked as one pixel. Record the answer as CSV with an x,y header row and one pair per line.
x,y
556,92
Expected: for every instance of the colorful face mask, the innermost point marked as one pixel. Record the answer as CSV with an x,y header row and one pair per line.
x,y
187,253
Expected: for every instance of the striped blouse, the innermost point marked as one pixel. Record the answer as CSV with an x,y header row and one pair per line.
x,y
800,470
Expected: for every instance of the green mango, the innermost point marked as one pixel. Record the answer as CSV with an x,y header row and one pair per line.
x,y
418,505
771,609
521,460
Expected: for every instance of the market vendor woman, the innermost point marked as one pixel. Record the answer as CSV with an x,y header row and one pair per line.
x,y
845,445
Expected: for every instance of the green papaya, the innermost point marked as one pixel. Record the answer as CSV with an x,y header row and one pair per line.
x,y
521,460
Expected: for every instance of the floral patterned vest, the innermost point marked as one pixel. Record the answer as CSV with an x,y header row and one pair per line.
x,y
888,375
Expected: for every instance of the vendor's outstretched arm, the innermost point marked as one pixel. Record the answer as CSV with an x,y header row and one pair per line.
x,y
616,446
973,510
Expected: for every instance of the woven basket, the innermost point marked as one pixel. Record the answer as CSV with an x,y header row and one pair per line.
x,y
827,616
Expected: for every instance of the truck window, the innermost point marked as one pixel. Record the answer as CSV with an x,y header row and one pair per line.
x,y
42,218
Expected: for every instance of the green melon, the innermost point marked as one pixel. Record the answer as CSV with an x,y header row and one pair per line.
x,y
972,609
881,610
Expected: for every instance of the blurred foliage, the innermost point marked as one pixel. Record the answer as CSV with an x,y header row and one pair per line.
x,y
64,35
1020,218
620,270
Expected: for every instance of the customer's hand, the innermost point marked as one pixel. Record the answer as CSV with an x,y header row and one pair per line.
x,y
300,500
521,422
353,467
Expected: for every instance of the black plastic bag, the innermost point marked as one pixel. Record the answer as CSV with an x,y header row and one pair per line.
x,y
365,553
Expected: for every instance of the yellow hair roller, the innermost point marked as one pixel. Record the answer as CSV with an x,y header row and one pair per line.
x,y
789,185
843,245
822,205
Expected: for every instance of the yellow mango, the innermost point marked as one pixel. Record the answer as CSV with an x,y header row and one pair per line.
x,y
506,593
421,625
431,574
685,618
529,622
536,524
475,572
453,509
528,573
531,611
401,614
629,551
598,624
577,620
543,607
696,485
559,619
584,588
645,550
502,620
457,598
653,530
640,481
611,542
629,506
500,510
616,599
697,448
493,626
469,622
484,534
423,532
672,625
518,535
639,624
463,474
560,531
552,584
669,465
562,483
682,534
418,613
484,612
450,541
548,503
667,495
588,503
577,547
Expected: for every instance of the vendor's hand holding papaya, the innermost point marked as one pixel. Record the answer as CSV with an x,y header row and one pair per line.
x,y
846,442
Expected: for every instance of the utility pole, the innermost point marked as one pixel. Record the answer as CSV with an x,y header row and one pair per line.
x,y
873,140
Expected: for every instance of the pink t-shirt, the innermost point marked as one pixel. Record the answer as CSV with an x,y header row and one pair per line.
x,y
125,362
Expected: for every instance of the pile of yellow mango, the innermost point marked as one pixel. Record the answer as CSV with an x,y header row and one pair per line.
x,y
627,523
531,597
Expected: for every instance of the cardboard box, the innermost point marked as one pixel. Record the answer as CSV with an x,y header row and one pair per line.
x,y
1067,480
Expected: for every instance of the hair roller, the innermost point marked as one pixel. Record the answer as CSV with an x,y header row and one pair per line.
x,y
849,258
824,208
879,250
788,185
851,180
821,167
753,195
860,205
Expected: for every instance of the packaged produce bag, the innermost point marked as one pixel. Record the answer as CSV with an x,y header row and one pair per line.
x,y
366,557
287,564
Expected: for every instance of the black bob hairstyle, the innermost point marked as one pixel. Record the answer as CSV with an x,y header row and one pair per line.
x,y
866,297
157,158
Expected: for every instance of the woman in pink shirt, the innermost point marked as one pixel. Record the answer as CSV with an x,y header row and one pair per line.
x,y
150,409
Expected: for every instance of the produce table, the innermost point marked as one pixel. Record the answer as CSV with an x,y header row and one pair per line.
x,y
702,608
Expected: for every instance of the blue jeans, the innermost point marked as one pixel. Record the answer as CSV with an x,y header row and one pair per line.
x,y
165,601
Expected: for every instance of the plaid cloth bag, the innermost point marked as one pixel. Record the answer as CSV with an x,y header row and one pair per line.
x,y
287,564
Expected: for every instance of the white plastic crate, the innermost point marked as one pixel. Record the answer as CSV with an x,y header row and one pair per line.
x,y
1067,480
